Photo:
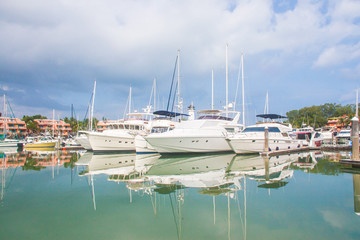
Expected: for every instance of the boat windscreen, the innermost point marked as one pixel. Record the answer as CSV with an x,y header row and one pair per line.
x,y
261,129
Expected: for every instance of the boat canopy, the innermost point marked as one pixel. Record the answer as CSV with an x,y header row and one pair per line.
x,y
271,116
169,114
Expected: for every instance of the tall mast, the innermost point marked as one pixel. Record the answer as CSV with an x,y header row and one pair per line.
x,y
154,94
130,100
178,81
53,131
243,87
92,108
357,103
212,89
5,114
227,80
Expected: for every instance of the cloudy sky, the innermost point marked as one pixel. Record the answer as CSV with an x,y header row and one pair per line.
x,y
303,53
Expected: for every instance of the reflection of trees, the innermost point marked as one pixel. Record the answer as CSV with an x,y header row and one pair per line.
x,y
71,163
31,164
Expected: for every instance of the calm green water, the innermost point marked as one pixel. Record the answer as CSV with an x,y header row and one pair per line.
x,y
124,196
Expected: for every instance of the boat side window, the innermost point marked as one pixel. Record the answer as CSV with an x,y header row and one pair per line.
x,y
110,127
137,127
317,135
121,126
261,129
284,134
116,127
126,126
230,130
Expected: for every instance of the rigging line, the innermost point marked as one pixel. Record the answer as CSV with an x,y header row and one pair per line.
x,y
172,82
237,86
172,107
239,208
87,110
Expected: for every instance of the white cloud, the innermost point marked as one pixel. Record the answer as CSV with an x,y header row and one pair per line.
x,y
138,40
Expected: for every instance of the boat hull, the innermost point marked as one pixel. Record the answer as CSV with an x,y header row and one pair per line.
x,y
51,144
248,146
142,146
107,143
196,144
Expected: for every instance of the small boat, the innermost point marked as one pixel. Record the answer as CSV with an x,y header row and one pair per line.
x,y
40,142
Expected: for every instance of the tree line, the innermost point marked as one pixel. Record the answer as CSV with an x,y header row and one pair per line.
x,y
75,125
317,116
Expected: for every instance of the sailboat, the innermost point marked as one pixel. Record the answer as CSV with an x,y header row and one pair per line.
x,y
82,138
7,142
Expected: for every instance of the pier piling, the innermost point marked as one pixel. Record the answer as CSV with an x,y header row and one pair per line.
x,y
266,135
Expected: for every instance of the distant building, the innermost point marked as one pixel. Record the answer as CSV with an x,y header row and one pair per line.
x,y
335,122
59,127
102,125
14,127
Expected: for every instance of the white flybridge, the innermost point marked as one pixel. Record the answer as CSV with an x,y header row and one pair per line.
x,y
252,138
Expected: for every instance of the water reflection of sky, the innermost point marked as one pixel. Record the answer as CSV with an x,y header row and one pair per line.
x,y
183,197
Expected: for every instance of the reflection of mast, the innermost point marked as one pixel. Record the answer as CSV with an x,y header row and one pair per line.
x,y
3,176
356,185
93,191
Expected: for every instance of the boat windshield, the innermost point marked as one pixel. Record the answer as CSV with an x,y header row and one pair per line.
x,y
215,117
261,129
159,129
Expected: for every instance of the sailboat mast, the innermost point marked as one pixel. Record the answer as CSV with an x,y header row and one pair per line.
x,y
130,100
212,89
92,108
357,103
243,87
5,114
227,81
53,131
154,94
178,81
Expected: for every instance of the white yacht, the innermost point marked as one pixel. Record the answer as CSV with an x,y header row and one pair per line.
x,y
203,135
83,140
119,136
162,123
252,138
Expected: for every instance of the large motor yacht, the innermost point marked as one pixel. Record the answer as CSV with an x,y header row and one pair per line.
x,y
119,136
252,138
203,135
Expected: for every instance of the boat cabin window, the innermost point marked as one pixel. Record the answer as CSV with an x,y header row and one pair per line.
x,y
261,129
126,126
231,130
121,126
159,129
116,126
215,117
137,127
304,136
